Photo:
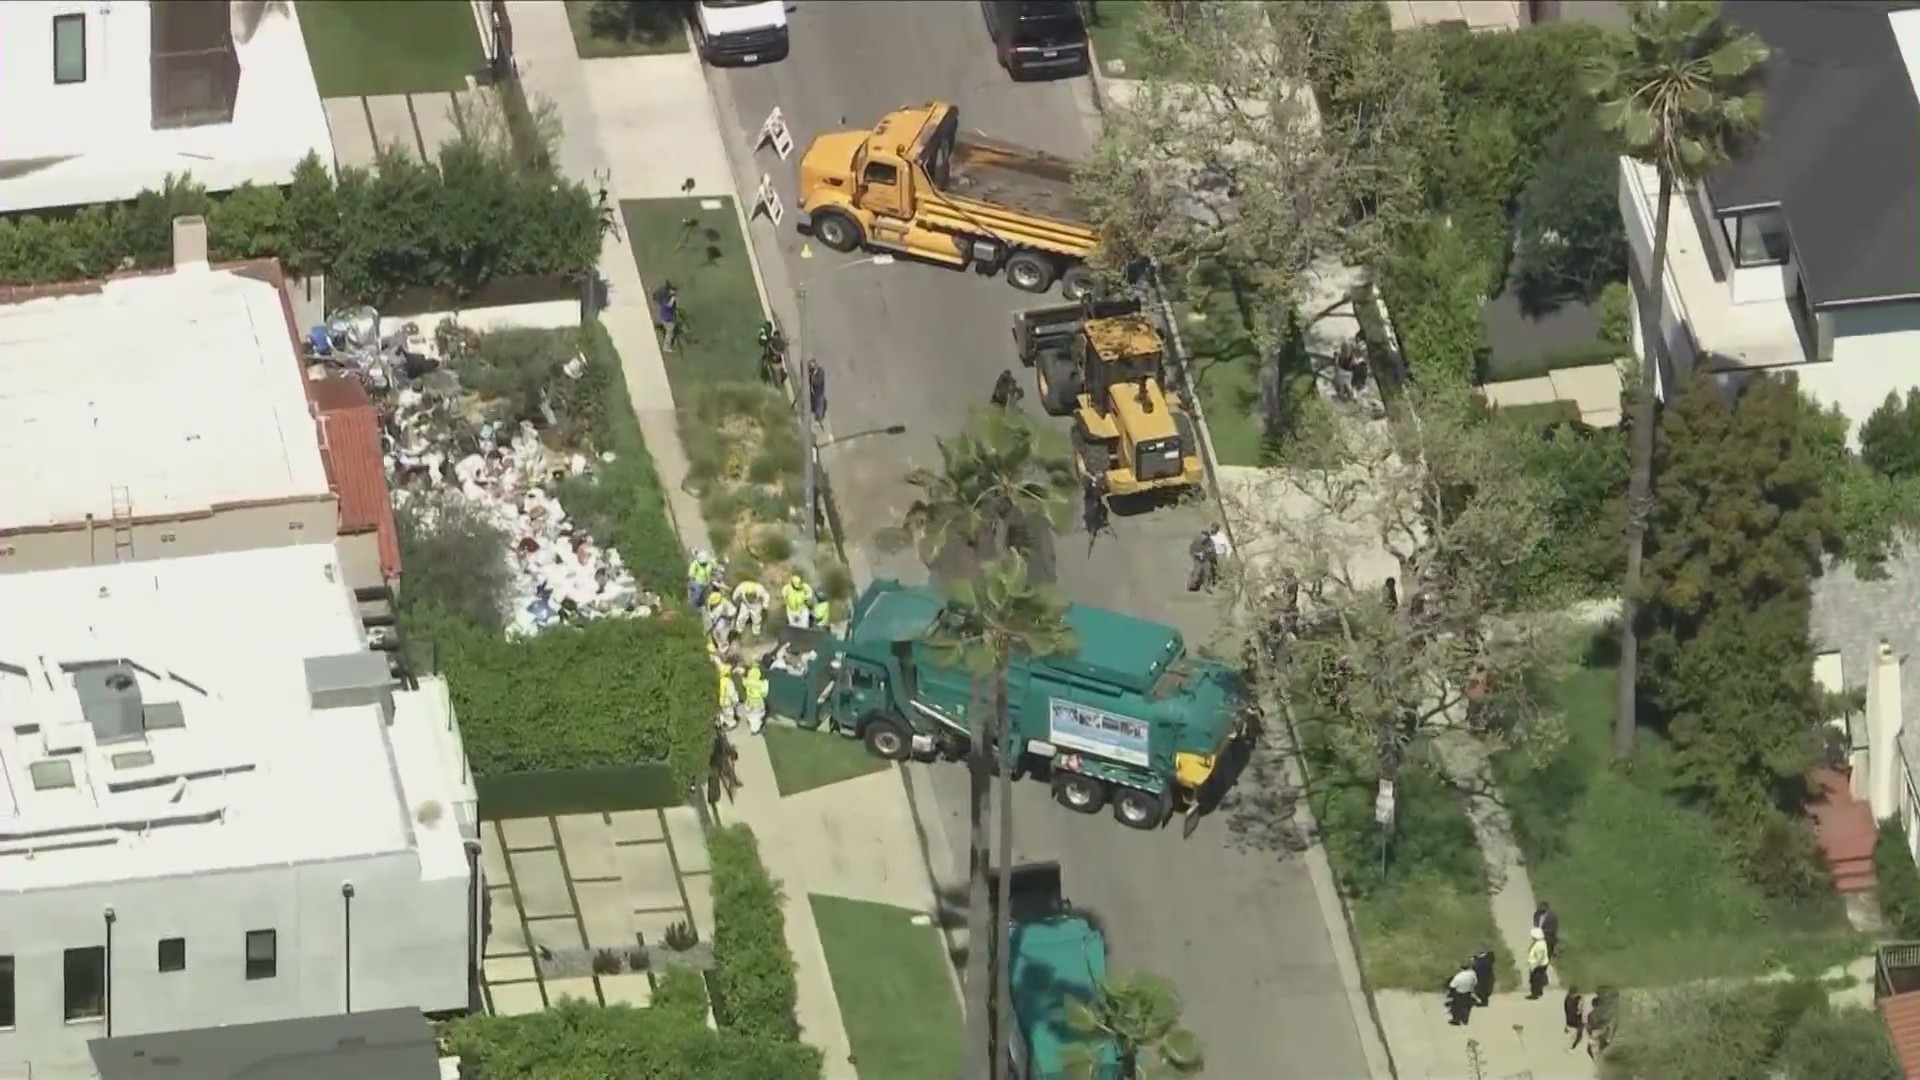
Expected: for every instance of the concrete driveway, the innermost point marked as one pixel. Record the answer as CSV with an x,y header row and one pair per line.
x,y
1232,920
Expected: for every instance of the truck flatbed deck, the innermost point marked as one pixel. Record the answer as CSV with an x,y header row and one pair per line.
x,y
1015,177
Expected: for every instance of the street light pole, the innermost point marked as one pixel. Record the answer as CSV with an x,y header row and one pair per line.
x,y
808,446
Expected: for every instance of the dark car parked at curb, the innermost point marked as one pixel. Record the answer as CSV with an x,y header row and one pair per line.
x,y
1038,39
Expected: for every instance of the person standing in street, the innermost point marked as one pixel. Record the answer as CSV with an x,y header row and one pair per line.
x,y
1460,991
1483,976
1093,510
1548,922
1538,958
1576,1020
817,391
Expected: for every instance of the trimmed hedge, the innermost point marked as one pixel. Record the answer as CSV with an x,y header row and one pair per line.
x,y
624,504
574,1040
1434,292
610,693
754,990
1899,880
452,226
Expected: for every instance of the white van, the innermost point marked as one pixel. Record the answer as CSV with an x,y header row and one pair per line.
x,y
741,31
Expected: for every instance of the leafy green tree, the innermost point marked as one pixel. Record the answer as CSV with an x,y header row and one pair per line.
x,y
992,481
1141,1013
456,563
1571,241
1682,93
1220,167
1890,439
1740,526
988,624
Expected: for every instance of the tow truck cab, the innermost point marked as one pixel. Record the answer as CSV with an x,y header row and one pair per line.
x,y
741,31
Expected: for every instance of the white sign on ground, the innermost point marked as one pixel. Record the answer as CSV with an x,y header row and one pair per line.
x,y
776,132
767,200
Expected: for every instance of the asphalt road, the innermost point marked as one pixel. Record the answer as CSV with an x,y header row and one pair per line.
x,y
1229,917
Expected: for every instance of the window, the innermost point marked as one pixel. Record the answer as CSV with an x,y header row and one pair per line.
x,y
86,983
1758,238
173,954
69,49
6,993
263,954
880,173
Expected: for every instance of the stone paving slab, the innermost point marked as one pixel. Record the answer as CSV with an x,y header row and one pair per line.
x,y
634,990
557,935
632,826
509,969
393,123
505,935
652,925
588,842
689,839
434,116
675,88
525,834
647,871
700,903
581,989
516,999
542,884
347,126
606,912
493,854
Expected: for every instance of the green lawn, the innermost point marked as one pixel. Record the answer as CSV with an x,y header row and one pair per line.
x,y
625,28
896,992
1226,374
804,760
390,46
703,254
1113,32
1643,886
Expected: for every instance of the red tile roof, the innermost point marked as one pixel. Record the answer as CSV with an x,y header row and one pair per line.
x,y
350,443
1902,1014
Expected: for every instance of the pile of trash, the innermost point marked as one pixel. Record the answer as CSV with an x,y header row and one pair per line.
x,y
441,451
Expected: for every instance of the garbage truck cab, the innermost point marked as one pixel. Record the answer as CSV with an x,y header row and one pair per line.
x,y
1128,720
1058,956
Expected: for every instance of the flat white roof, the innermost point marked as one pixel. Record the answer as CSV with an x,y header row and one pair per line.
x,y
182,388
234,767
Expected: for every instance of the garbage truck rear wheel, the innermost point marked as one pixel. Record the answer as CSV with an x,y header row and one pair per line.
x,y
1138,809
1081,794
887,739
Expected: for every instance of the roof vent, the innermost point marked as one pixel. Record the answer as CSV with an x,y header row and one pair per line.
x,y
350,680
110,701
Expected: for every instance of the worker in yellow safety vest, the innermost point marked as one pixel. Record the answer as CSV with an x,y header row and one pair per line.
x,y
750,603
727,719
699,578
753,704
797,598
822,612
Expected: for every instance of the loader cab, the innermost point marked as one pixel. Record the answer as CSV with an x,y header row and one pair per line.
x,y
1118,354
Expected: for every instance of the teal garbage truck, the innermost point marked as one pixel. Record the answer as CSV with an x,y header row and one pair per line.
x,y
1128,720
1058,954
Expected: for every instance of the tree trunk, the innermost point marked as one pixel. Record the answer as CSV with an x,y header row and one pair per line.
x,y
1640,487
1002,926
979,914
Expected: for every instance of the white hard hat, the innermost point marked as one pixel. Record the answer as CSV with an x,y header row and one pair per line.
x,y
703,555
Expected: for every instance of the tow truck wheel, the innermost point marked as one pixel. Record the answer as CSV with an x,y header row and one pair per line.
x,y
1077,282
886,739
1138,809
836,230
1030,271
1081,794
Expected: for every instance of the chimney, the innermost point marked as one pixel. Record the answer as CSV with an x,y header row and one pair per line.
x,y
190,243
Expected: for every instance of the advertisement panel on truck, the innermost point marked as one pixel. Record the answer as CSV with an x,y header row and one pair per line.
x,y
1074,726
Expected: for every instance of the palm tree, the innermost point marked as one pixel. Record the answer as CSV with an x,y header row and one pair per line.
x,y
1139,1013
992,476
1682,93
989,623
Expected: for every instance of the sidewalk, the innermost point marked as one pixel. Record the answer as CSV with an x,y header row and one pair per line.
x,y
854,839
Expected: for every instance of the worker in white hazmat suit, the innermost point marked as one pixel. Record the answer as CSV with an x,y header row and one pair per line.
x,y
750,601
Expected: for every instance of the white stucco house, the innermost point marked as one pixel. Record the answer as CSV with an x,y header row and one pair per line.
x,y
101,99
218,808
1804,255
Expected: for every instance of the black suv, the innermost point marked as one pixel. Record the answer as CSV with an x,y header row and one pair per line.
x,y
1038,38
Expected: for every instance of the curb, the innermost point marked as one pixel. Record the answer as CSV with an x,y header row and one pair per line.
x,y
1333,906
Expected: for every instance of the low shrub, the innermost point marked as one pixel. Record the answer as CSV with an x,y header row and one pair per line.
x,y
1571,242
681,990
1616,317
456,563
453,226
624,504
753,984
612,692
573,1040
1899,879
1786,1030
1434,292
